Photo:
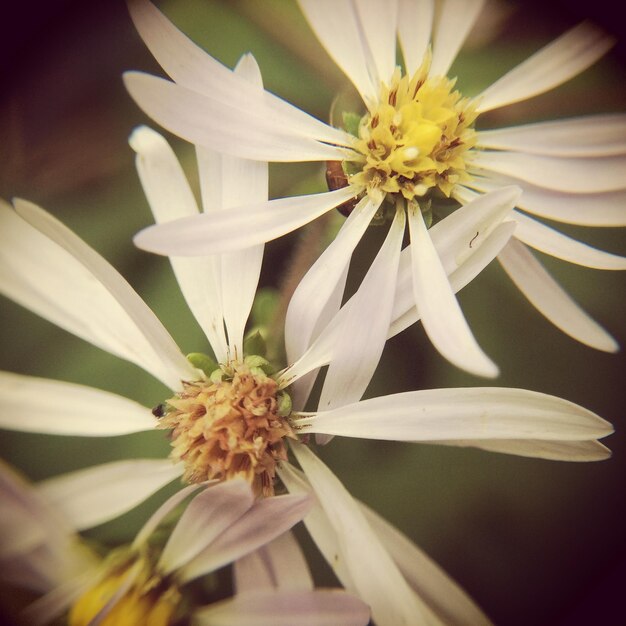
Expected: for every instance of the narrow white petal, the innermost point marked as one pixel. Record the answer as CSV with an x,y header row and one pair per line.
x,y
221,126
440,312
577,451
207,516
549,298
405,311
95,495
556,63
191,66
463,413
573,175
264,521
362,336
593,209
592,135
428,580
324,607
170,198
279,564
336,24
379,21
41,405
59,283
318,285
373,573
551,241
415,20
454,21
240,227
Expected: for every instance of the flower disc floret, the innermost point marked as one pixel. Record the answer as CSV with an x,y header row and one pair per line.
x,y
231,424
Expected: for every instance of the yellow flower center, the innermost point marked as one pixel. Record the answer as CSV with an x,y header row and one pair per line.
x,y
150,601
416,139
231,425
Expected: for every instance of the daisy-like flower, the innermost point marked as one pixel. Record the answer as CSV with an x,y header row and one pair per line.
x,y
414,145
146,582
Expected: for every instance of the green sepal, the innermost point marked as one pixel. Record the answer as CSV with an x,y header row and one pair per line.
x,y
264,308
203,362
217,375
351,122
254,343
259,365
284,404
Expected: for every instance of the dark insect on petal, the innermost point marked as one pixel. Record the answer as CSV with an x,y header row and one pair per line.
x,y
336,178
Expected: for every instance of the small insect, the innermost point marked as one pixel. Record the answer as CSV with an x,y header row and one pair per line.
x,y
336,178
159,410
473,239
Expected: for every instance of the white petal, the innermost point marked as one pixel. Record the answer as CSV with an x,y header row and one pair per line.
x,y
551,241
594,209
454,21
304,314
556,63
191,66
405,311
362,336
285,608
221,126
575,175
428,580
415,20
95,495
578,451
171,198
40,405
336,25
593,135
267,519
279,564
374,574
69,284
440,312
463,413
547,296
239,227
207,516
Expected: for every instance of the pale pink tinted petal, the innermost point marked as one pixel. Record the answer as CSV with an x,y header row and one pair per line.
x,y
171,198
58,408
463,413
551,66
286,608
576,451
146,323
279,564
264,521
208,515
548,297
575,175
455,19
240,227
95,495
551,241
336,25
428,580
415,21
440,312
593,209
593,135
222,127
191,66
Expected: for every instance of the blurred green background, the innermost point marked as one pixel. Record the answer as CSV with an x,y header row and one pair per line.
x,y
534,542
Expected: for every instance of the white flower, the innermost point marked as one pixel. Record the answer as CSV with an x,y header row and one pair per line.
x,y
571,170
144,583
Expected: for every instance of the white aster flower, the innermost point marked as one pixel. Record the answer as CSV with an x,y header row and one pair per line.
x,y
414,143
144,583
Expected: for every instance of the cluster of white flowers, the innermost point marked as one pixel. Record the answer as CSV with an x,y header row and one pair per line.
x,y
240,425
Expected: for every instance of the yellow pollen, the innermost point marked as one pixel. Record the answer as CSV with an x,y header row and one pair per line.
x,y
149,601
417,139
228,428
